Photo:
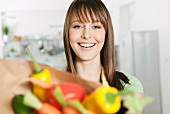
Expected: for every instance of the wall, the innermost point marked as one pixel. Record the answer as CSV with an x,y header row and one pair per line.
x,y
16,5
164,46
152,14
40,17
164,56
11,5
34,23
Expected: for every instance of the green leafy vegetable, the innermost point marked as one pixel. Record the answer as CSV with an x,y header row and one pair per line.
x,y
136,104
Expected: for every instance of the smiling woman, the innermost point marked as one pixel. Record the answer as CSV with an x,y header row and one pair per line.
x,y
89,43
87,39
89,46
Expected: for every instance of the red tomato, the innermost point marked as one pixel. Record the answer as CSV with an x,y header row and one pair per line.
x,y
70,91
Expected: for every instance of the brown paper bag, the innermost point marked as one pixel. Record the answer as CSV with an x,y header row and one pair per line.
x,y
14,74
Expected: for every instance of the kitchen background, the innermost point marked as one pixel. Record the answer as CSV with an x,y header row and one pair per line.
x,y
142,34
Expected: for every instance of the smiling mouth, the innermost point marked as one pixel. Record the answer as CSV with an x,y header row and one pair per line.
x,y
86,45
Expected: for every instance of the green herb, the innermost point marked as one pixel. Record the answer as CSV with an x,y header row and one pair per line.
x,y
5,30
12,50
136,104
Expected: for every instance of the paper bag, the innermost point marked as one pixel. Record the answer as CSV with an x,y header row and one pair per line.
x,y
14,76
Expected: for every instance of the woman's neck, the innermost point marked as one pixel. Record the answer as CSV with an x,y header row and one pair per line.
x,y
89,70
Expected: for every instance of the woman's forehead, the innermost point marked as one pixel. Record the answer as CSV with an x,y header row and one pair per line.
x,y
84,17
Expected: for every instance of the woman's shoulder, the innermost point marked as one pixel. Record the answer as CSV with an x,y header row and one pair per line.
x,y
134,84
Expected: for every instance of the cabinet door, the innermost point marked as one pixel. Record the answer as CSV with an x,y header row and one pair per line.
x,y
145,51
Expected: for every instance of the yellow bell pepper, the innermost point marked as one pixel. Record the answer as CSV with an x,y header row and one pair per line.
x,y
43,76
104,100
40,74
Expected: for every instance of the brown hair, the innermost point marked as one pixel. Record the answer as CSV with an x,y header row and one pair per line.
x,y
97,10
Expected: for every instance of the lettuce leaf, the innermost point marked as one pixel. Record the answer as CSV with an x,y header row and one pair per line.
x,y
135,104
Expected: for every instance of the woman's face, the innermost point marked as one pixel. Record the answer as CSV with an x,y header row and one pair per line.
x,y
86,39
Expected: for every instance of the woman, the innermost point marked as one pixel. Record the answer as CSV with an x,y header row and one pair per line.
x,y
89,46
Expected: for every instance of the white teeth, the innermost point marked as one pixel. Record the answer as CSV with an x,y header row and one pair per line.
x,y
86,45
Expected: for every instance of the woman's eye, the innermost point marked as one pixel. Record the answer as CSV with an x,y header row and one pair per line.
x,y
96,27
77,26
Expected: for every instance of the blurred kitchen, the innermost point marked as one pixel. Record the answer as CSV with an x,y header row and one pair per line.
x,y
142,32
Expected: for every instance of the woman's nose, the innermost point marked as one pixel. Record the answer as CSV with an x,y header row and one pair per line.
x,y
86,33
